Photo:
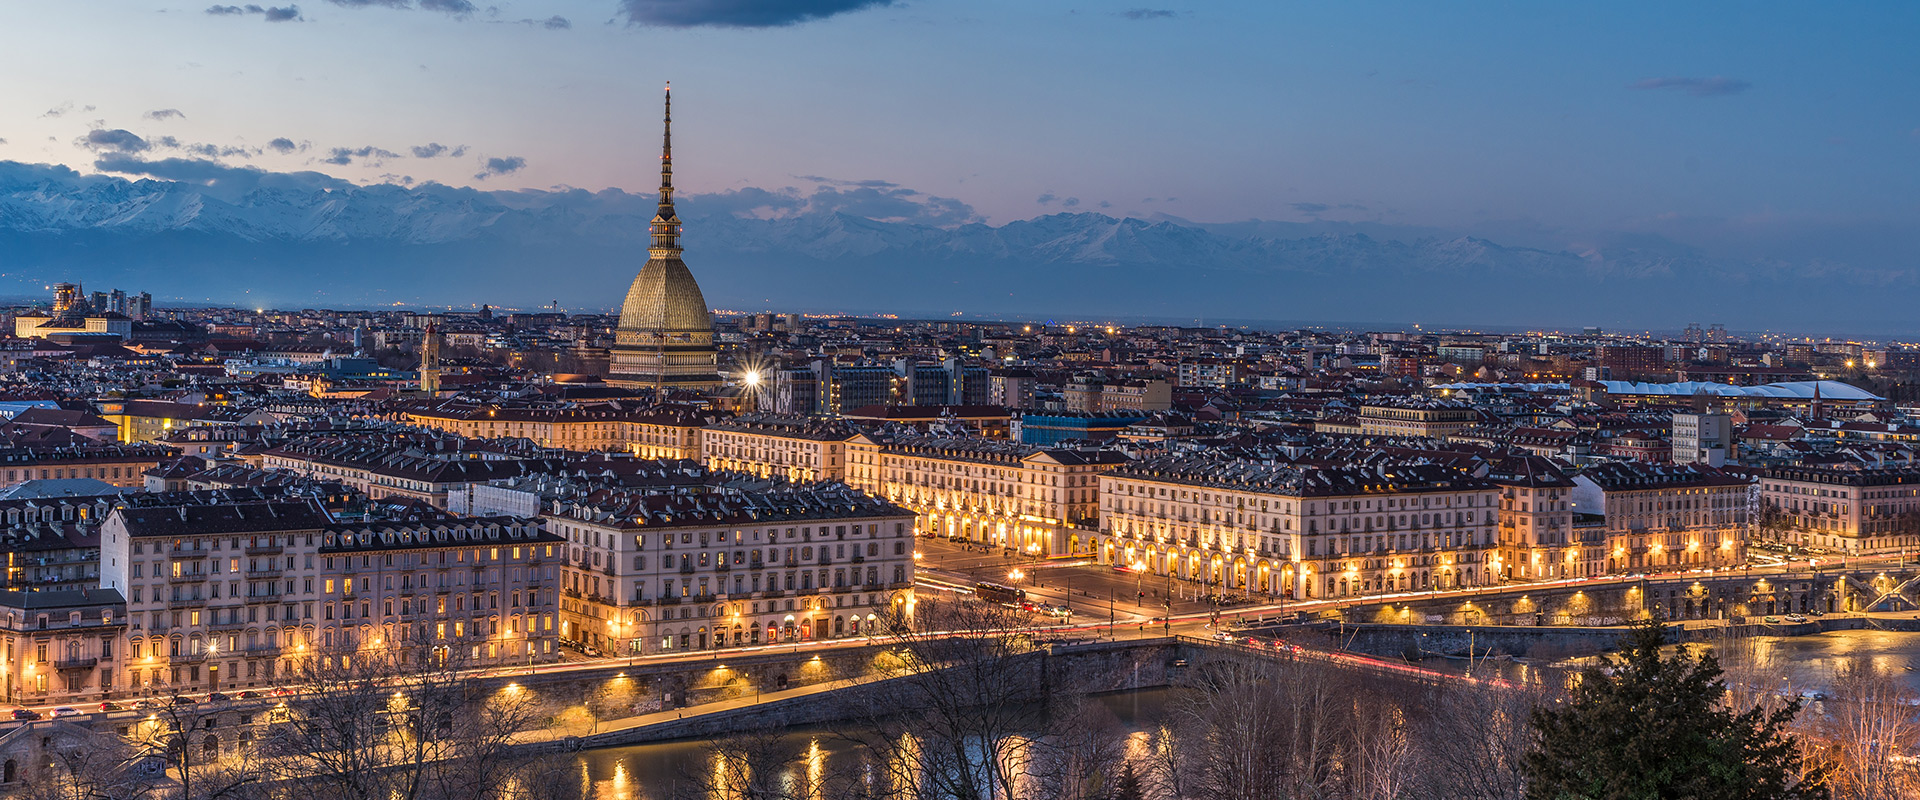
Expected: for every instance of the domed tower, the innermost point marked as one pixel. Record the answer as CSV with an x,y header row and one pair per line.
x,y
665,336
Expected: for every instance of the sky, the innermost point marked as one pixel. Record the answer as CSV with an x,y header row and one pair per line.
x,y
1750,128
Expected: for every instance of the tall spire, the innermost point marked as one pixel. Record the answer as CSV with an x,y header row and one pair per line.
x,y
666,224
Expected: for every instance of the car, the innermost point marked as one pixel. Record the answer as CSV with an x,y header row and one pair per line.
x,y
249,695
1796,618
109,705
282,691
180,700
1222,636
1059,612
65,711
25,714
144,703
218,697
1771,620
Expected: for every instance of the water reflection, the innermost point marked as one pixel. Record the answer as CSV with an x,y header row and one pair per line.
x,y
801,761
1798,664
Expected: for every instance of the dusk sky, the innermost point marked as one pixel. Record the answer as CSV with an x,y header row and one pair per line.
x,y
1738,125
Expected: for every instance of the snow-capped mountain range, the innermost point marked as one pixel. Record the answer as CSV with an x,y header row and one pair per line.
x,y
305,239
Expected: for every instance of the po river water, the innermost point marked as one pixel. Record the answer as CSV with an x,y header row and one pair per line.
x,y
669,771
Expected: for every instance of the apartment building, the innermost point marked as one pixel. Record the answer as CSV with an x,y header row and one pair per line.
x,y
1304,532
118,464
1538,538
1662,517
1415,416
1851,511
61,647
663,570
230,595
404,470
1034,500
664,431
795,447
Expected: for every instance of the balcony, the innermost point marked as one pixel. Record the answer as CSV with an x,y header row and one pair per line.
x,y
686,568
722,566
187,578
187,602
265,550
76,663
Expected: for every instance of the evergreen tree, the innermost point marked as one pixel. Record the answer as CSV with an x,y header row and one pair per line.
x,y
1128,785
1650,727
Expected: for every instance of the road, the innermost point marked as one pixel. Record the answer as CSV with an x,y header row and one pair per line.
x,y
1105,602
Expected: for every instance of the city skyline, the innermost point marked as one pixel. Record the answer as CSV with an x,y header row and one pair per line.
x,y
1567,132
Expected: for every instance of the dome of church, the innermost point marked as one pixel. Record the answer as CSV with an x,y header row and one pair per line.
x,y
664,297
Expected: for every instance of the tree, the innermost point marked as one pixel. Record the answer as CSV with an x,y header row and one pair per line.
x,y
959,717
404,723
1866,739
1646,726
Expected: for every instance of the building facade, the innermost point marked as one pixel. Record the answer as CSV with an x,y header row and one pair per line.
x,y
1301,532
667,571
1032,500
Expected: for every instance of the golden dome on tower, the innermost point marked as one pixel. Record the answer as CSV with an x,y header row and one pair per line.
x,y
665,336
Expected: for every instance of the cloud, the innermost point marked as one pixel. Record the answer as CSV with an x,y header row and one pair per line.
x,y
220,179
1698,87
1105,204
878,200
1045,198
283,145
1148,13
1070,202
868,184
164,113
346,155
214,150
491,167
3,141
58,110
556,23
455,7
270,13
737,13
436,149
1312,208
117,140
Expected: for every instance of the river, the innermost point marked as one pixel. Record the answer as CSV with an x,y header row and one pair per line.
x,y
667,771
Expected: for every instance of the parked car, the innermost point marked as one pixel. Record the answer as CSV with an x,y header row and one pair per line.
x,y
25,714
1771,620
1796,618
65,711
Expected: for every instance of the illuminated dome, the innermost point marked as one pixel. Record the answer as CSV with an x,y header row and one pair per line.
x,y
664,297
665,336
